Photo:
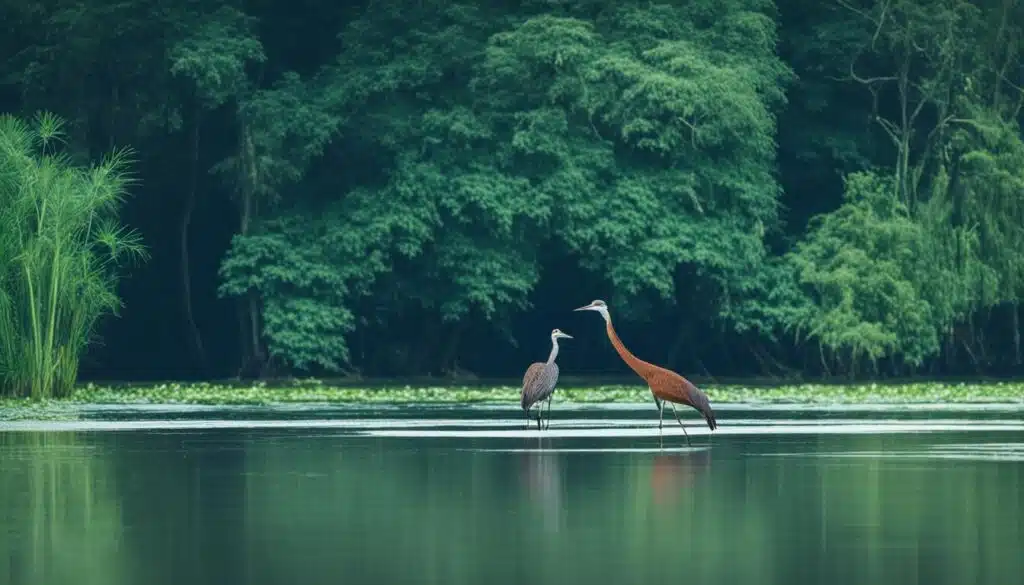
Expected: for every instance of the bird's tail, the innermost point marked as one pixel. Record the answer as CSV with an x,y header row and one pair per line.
x,y
709,415
704,406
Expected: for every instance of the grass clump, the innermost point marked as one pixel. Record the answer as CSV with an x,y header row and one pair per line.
x,y
60,247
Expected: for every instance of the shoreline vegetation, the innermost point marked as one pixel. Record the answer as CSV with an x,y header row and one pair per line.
x,y
316,391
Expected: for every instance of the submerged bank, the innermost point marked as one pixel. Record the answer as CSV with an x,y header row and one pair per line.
x,y
316,392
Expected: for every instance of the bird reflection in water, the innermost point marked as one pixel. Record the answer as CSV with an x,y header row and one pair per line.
x,y
541,475
672,474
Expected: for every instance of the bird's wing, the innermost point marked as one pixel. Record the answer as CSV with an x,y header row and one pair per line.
x,y
531,374
529,391
539,383
551,376
669,385
544,385
675,388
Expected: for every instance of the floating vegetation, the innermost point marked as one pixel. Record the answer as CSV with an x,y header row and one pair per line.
x,y
45,410
313,391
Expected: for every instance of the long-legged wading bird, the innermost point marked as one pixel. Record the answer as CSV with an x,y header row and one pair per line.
x,y
665,385
539,381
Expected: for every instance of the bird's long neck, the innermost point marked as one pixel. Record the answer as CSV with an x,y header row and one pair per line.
x,y
638,365
554,350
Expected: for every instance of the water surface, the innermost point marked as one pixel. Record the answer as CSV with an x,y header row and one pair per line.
x,y
434,494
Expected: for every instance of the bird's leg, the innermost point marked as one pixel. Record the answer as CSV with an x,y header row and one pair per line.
x,y
661,412
527,413
658,403
686,434
548,426
540,412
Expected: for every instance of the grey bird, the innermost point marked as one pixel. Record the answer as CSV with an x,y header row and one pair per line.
x,y
539,381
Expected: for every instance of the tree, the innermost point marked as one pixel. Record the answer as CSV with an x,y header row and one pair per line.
x,y
867,267
940,76
643,147
279,130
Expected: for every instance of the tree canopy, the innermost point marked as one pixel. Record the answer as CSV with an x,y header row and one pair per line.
x,y
394,188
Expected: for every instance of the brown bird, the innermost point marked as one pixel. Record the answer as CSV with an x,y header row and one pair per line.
x,y
539,381
665,385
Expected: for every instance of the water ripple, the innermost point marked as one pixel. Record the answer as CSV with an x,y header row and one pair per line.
x,y
1013,452
509,428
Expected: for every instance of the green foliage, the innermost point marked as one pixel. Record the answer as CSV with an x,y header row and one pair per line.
x,y
770,301
60,249
950,191
419,182
305,272
214,57
992,179
642,143
283,129
863,265
661,152
283,126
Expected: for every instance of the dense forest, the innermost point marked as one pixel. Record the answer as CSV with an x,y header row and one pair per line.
x,y
393,188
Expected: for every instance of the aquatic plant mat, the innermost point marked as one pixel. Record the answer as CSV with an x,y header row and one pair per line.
x,y
317,392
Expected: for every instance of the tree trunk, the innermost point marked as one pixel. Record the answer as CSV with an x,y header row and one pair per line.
x,y
1016,334
448,360
250,326
770,365
186,277
824,363
969,342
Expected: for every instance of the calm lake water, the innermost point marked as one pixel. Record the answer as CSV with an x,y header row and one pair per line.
x,y
387,495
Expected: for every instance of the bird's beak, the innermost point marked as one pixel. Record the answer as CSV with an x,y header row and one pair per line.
x,y
566,335
585,308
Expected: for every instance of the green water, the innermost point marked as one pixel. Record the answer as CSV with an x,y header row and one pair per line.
x,y
423,495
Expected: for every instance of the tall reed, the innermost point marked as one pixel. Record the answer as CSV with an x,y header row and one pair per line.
x,y
61,246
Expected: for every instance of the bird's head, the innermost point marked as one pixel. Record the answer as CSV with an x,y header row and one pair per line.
x,y
598,306
557,334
